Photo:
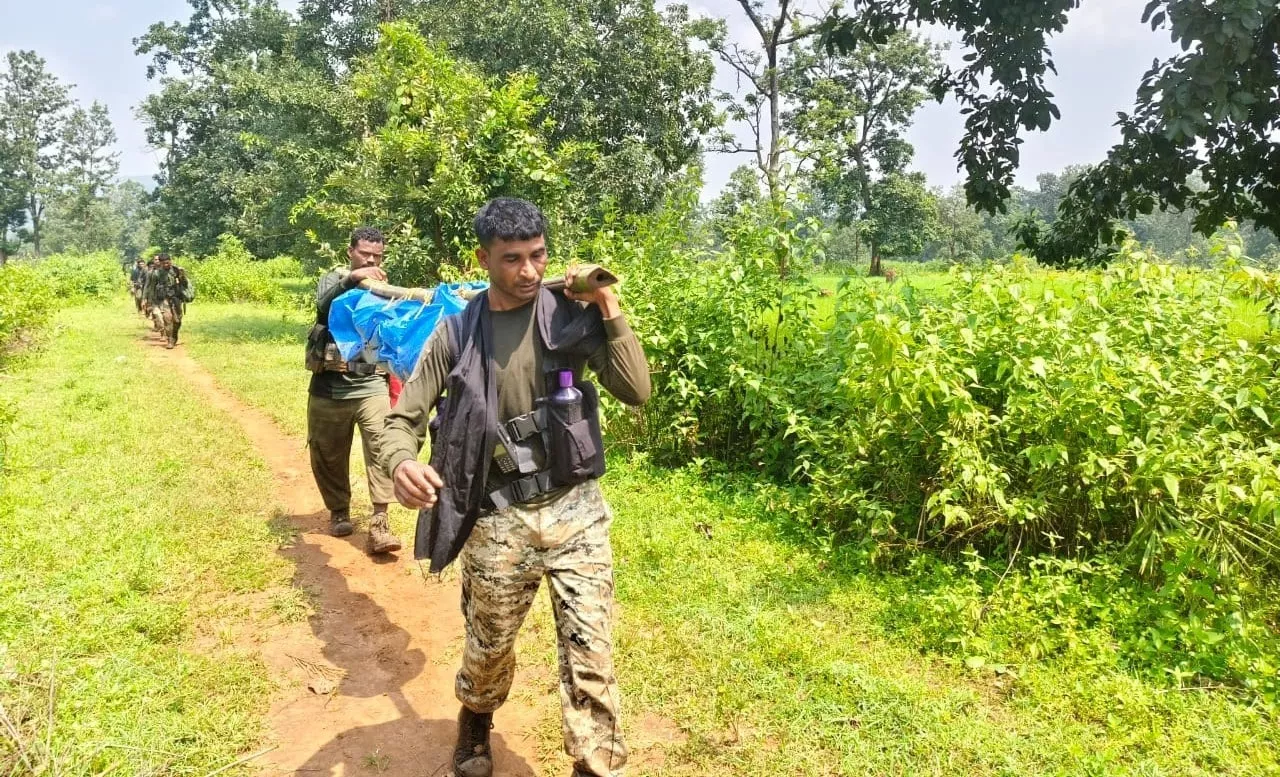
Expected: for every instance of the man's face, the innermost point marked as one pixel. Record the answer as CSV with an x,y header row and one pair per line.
x,y
365,253
165,264
515,268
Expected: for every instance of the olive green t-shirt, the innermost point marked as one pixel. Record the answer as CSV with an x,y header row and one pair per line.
x,y
619,365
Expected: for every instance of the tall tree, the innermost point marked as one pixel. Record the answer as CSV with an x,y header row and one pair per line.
x,y
851,114
13,199
1209,109
33,106
759,70
961,236
901,218
88,163
443,139
620,78
248,116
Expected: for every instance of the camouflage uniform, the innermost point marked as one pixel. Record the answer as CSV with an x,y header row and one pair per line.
x,y
137,279
562,536
164,292
503,563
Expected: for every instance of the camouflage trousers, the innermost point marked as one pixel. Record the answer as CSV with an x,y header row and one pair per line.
x,y
167,317
503,563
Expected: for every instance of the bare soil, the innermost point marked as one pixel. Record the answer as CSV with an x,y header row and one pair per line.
x,y
365,685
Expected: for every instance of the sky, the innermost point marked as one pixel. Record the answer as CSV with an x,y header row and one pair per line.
x,y
1101,57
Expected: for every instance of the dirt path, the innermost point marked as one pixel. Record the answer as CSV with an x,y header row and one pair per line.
x,y
389,637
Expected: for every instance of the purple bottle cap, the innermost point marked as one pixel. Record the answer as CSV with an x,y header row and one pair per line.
x,y
566,378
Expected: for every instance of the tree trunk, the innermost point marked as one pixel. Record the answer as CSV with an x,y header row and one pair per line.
x,y
35,211
876,269
774,174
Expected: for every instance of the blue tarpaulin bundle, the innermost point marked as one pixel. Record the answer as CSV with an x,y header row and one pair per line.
x,y
396,329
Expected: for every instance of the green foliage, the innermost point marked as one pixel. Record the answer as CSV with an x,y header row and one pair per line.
x,y
33,104
446,140
29,301
901,218
620,78
1001,85
851,114
233,275
1110,412
117,220
767,639
83,277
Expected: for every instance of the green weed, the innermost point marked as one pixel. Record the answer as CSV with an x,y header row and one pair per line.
x,y
769,652
128,515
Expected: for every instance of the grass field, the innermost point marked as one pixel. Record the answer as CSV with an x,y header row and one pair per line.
x,y
768,659
134,547
1249,321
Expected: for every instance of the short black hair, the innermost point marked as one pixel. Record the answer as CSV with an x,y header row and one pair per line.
x,y
368,235
508,218
162,256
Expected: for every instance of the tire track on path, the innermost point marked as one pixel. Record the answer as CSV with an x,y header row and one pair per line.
x,y
388,637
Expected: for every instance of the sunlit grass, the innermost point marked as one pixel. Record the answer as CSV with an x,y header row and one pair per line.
x,y
767,658
133,525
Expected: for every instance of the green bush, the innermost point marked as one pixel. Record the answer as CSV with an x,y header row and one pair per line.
x,y
28,298
83,277
28,303
233,275
283,267
1116,418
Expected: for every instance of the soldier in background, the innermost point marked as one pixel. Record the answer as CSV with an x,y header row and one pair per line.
x,y
168,290
137,279
146,303
347,394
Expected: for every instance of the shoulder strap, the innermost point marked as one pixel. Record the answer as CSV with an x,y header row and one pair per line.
x,y
461,327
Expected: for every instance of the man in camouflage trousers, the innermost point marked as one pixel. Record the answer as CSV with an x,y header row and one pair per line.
x,y
526,528
165,291
137,279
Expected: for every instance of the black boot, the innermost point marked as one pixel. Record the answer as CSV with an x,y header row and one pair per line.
x,y
471,756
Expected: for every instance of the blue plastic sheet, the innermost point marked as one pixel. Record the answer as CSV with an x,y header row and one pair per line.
x,y
397,330
342,323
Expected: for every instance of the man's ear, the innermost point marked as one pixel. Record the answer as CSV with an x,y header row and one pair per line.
x,y
482,256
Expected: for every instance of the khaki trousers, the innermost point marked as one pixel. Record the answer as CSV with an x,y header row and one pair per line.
x,y
331,425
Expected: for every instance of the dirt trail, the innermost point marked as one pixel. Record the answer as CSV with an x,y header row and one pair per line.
x,y
390,638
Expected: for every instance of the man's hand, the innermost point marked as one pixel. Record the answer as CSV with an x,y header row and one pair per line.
x,y
416,484
604,297
366,274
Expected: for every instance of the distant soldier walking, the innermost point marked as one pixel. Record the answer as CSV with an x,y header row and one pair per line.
x,y
168,289
137,279
146,276
347,394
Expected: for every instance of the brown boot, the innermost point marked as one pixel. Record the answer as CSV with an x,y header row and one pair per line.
x,y
471,755
381,540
